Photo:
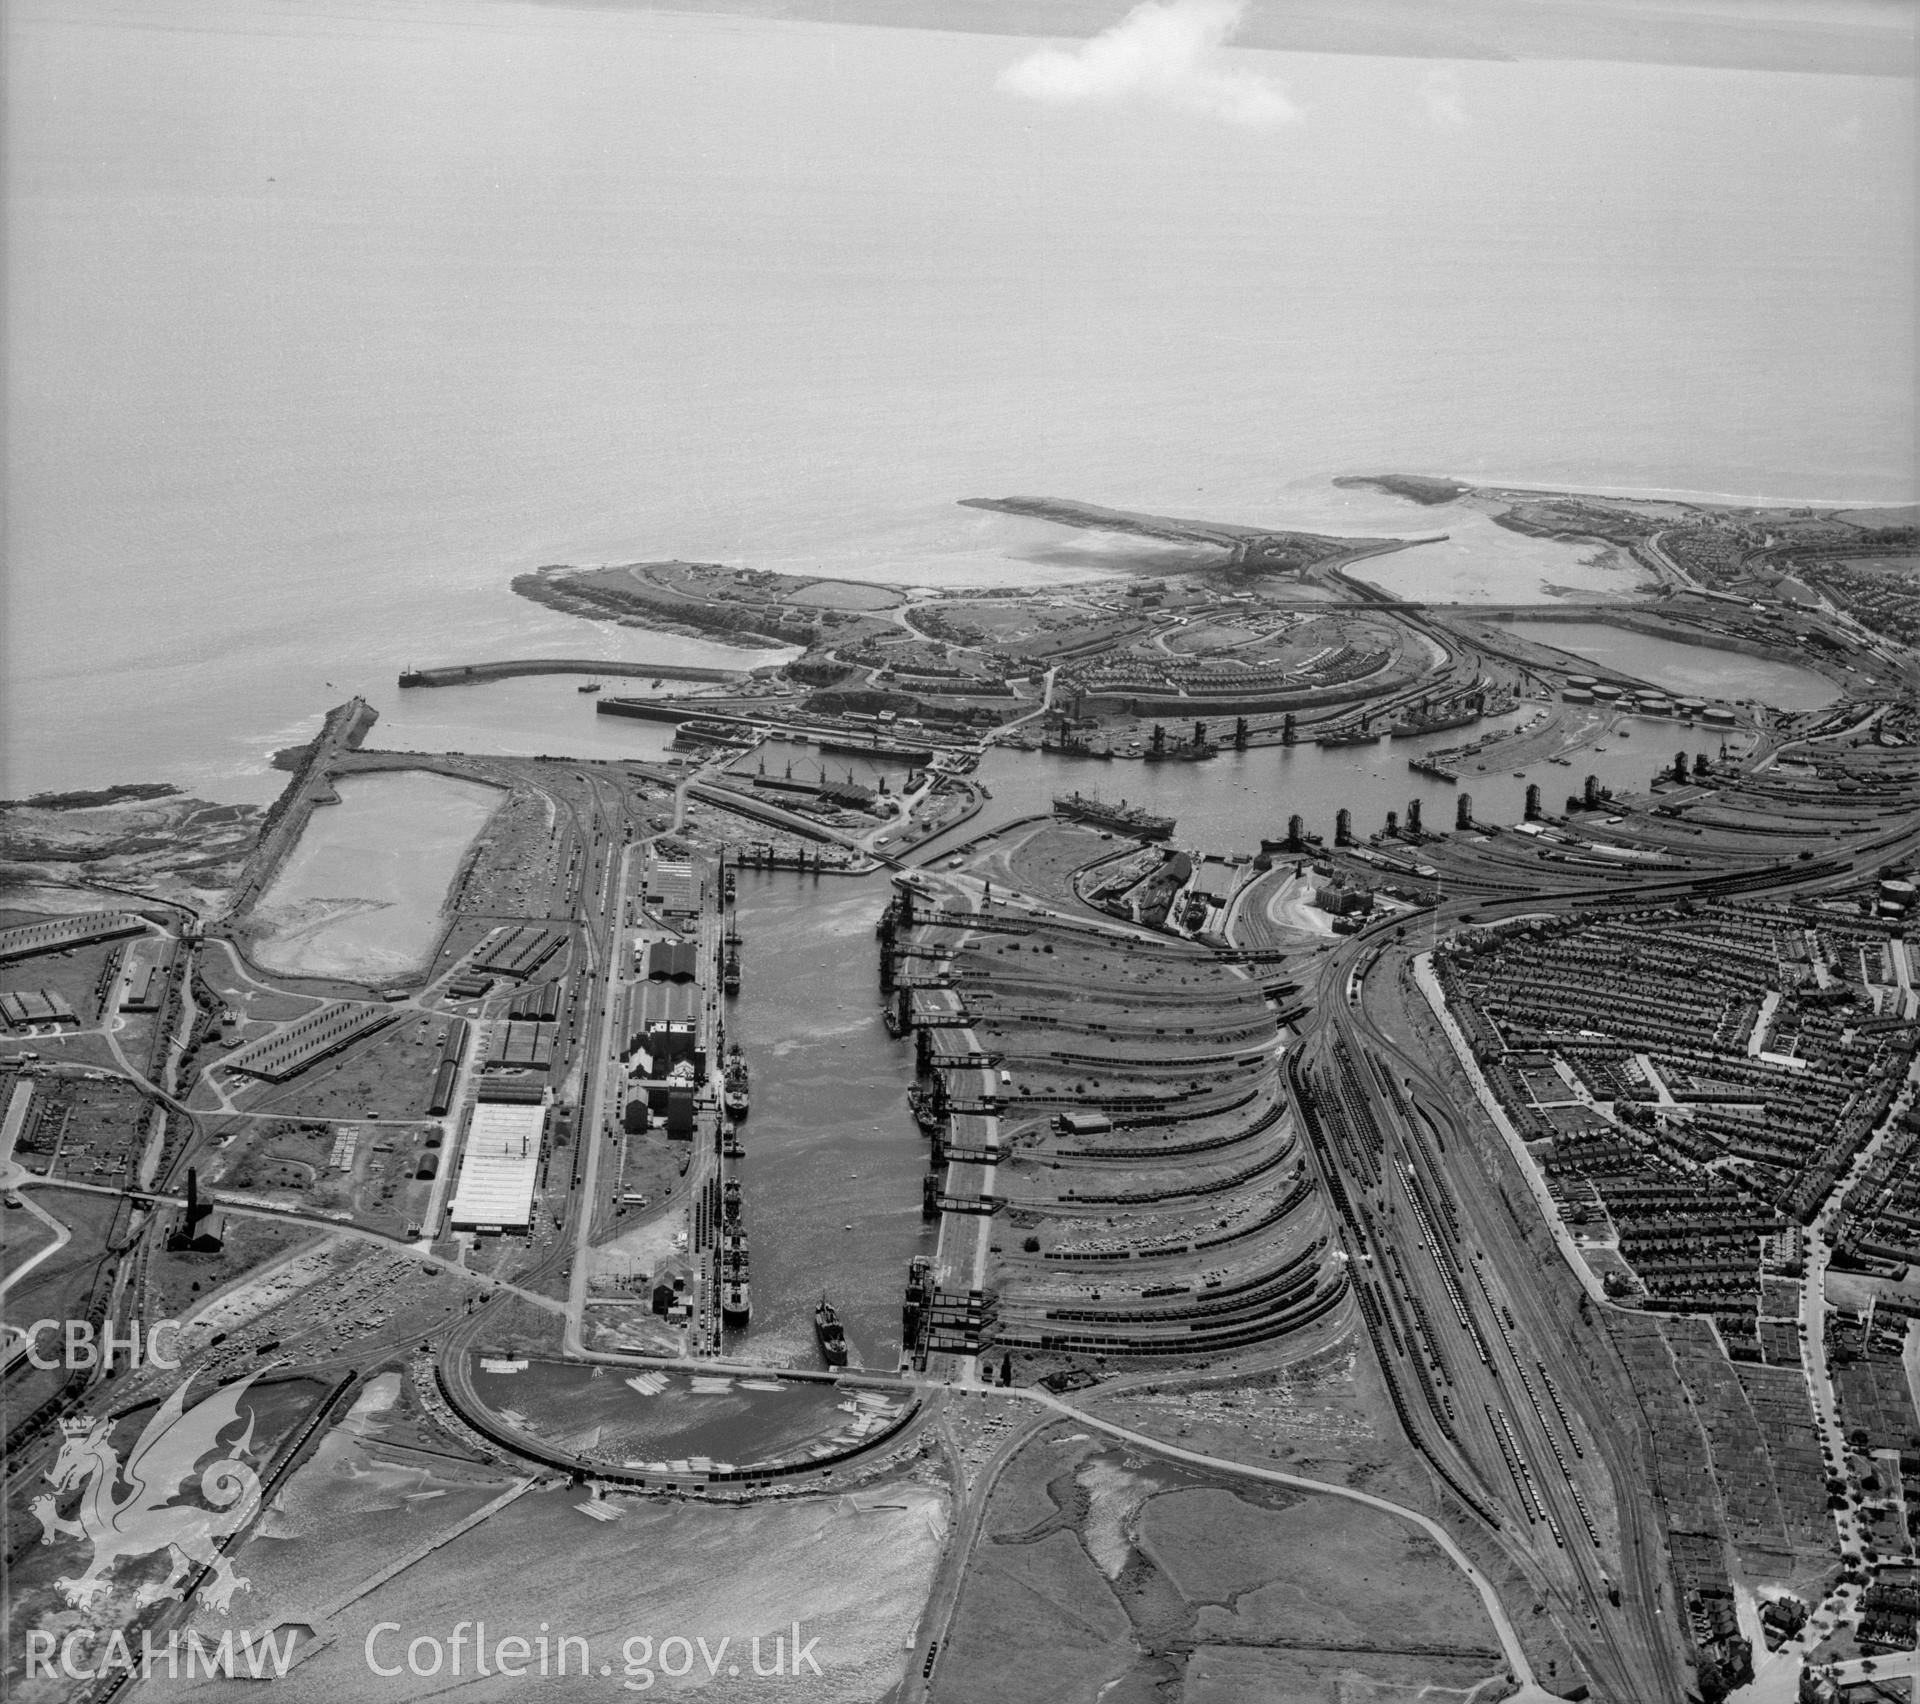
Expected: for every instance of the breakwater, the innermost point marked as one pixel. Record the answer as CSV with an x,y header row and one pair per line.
x,y
466,674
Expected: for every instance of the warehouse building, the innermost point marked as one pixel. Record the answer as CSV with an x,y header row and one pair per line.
x,y
58,934
499,1167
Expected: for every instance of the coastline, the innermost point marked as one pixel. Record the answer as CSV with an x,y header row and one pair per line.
x,y
1908,507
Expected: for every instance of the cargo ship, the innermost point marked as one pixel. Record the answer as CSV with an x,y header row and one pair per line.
x,y
591,686
1408,726
736,1098
919,1300
736,1290
917,757
1347,737
730,975
832,1334
1077,748
1122,818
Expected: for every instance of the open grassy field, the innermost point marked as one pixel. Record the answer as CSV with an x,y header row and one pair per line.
x,y
373,1169
22,1236
59,1287
388,1075
1101,1573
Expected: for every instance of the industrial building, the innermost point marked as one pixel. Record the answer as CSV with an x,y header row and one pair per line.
x,y
516,952
57,934
499,1166
146,984
669,961
539,1004
290,1051
24,1007
523,1046
672,888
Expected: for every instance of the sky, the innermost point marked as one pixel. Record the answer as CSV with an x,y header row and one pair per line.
x,y
1851,37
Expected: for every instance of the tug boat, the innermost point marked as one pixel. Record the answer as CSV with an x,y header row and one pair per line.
x,y
832,1335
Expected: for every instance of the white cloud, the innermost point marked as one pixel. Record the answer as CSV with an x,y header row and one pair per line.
x,y
1440,93
1164,51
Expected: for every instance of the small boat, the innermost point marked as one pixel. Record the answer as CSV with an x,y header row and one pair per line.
x,y
832,1334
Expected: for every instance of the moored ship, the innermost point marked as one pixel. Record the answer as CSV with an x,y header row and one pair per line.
x,y
736,1098
832,1334
919,1298
1070,747
926,1111
736,1288
1410,725
1123,818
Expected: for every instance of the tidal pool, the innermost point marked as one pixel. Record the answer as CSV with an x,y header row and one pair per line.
x,y
1698,671
360,897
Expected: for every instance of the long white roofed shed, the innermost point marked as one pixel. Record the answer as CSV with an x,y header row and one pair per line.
x,y
498,1168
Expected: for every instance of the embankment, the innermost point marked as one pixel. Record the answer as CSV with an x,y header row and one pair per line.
x,y
466,674
343,730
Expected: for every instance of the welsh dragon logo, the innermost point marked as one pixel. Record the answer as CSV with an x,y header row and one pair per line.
x,y
148,1518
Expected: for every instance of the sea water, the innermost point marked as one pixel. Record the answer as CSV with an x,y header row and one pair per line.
x,y
325,322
